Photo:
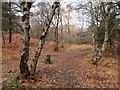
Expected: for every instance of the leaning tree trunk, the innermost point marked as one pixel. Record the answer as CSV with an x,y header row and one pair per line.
x,y
26,27
105,43
42,39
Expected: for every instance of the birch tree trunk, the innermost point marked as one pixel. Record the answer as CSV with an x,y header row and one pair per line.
x,y
26,27
94,29
42,39
94,43
105,43
107,16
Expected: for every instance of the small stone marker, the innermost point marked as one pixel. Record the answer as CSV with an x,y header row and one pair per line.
x,y
47,59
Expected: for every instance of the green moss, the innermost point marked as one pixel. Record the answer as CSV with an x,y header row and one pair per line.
x,y
13,82
16,85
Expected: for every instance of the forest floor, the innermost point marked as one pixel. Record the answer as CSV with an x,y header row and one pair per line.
x,y
70,68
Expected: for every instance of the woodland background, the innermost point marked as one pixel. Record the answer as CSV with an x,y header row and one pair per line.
x,y
82,56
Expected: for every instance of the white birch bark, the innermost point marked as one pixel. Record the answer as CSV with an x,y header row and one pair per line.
x,y
42,40
26,27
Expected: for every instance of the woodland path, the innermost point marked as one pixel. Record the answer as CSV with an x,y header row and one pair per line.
x,y
67,71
